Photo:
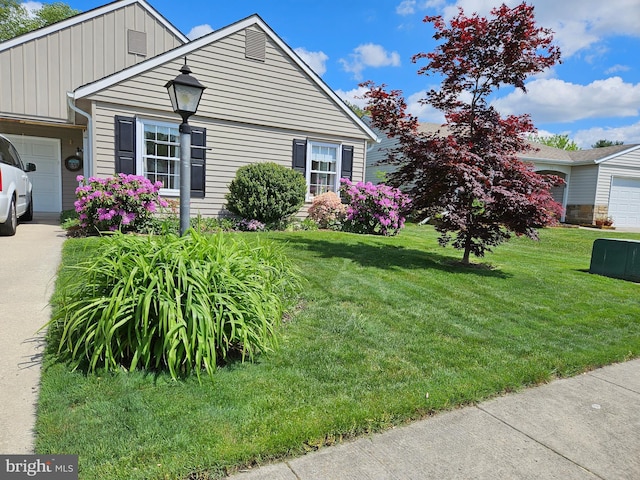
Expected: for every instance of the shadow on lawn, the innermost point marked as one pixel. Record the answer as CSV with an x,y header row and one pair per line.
x,y
391,256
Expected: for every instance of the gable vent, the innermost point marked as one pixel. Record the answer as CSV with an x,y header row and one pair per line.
x,y
255,45
137,42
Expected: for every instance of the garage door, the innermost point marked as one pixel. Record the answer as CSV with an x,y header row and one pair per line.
x,y
624,202
47,181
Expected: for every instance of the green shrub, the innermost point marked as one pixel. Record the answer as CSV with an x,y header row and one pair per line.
x,y
306,224
181,303
266,192
68,216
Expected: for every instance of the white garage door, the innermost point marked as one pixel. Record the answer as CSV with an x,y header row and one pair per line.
x,y
46,180
624,202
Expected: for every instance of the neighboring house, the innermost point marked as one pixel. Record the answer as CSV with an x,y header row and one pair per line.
x,y
92,88
599,183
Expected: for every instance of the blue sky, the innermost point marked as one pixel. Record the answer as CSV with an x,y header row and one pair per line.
x,y
593,94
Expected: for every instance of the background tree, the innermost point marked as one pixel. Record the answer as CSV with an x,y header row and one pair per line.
x,y
606,143
360,112
471,179
16,19
557,141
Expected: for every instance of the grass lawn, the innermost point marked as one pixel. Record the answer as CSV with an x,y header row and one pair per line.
x,y
382,322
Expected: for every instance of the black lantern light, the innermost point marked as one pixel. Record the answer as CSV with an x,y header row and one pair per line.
x,y
185,93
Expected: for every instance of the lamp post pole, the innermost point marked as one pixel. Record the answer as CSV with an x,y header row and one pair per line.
x,y
185,93
185,177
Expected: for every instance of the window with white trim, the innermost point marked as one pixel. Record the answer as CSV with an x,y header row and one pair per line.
x,y
323,167
159,154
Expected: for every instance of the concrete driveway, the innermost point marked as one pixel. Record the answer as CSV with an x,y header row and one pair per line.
x,y
28,264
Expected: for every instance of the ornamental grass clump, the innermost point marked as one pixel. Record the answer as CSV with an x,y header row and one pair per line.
x,y
328,211
373,209
124,202
184,304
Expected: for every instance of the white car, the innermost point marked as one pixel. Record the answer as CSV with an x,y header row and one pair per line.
x,y
15,188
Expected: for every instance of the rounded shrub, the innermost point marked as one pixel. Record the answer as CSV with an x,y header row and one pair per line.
x,y
328,211
266,192
373,209
178,303
124,202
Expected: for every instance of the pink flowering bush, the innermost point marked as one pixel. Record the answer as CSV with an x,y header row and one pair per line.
x,y
124,202
328,211
373,209
250,225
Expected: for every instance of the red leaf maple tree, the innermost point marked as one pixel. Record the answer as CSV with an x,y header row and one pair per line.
x,y
468,177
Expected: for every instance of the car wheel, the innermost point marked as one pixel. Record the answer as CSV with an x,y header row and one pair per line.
x,y
28,215
8,228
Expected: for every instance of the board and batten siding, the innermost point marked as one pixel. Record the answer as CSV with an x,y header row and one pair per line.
x,y
275,93
627,165
36,75
232,145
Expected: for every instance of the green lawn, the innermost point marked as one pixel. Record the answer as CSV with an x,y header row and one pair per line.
x,y
382,322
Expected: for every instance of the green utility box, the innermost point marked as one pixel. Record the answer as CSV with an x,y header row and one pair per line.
x,y
617,258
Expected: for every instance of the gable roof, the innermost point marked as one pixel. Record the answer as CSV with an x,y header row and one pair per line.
x,y
88,15
542,153
214,36
602,154
592,156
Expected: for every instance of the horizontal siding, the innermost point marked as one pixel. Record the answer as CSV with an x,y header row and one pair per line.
x,y
377,153
36,75
233,146
631,159
627,165
582,185
607,171
275,93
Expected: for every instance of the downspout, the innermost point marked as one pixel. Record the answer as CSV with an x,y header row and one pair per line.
x,y
88,148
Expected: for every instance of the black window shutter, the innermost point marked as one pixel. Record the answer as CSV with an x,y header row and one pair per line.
x,y
347,162
125,144
198,161
299,163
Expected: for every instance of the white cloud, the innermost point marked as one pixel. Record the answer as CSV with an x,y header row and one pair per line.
x,y
406,7
578,24
554,100
617,68
316,60
199,31
629,134
409,7
31,7
354,96
425,113
369,55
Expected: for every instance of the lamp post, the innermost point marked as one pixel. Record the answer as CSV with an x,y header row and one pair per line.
x,y
185,93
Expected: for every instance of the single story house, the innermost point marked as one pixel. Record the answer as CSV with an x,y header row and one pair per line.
x,y
87,96
599,183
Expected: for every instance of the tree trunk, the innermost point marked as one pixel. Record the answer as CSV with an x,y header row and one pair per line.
x,y
467,251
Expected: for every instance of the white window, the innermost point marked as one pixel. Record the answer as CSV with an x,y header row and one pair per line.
x,y
159,154
323,167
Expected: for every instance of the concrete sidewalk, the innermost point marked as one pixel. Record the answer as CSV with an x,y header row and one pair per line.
x,y
586,427
28,265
